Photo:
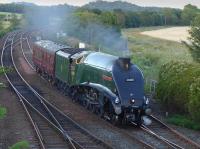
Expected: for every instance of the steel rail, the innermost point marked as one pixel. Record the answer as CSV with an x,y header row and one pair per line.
x,y
4,47
18,93
36,92
51,114
169,143
45,101
32,67
41,140
183,137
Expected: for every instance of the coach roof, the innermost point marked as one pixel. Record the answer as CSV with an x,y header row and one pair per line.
x,y
50,45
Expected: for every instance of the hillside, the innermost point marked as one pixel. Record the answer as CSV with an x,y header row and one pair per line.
x,y
107,6
22,7
24,3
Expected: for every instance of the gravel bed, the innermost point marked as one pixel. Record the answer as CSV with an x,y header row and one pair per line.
x,y
161,113
15,126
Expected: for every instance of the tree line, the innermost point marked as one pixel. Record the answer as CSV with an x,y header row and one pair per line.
x,y
81,18
14,8
121,18
128,19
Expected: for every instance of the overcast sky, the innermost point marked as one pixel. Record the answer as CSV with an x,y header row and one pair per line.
x,y
160,3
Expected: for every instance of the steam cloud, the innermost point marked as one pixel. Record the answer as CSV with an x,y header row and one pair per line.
x,y
62,18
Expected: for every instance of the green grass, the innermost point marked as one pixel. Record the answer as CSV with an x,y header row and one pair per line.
x,y
183,121
20,145
151,53
6,24
9,13
3,112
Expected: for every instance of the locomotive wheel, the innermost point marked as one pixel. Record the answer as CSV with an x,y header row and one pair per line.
x,y
86,104
74,95
100,111
53,83
37,69
139,122
58,85
75,98
92,108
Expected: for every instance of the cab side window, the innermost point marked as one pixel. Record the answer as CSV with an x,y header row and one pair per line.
x,y
80,60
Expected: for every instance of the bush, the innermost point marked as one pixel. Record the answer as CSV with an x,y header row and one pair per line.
x,y
183,121
194,103
20,145
194,45
178,87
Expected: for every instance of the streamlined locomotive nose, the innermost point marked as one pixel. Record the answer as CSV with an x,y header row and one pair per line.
x,y
129,82
124,62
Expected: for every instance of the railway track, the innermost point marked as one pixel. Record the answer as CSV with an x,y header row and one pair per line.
x,y
46,134
76,136
170,139
17,86
27,54
168,134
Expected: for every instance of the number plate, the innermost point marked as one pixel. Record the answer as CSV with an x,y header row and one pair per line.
x,y
130,80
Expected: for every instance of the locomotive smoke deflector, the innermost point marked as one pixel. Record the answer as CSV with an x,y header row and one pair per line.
x,y
124,62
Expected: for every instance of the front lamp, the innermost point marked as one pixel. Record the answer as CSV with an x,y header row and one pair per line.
x,y
117,100
146,100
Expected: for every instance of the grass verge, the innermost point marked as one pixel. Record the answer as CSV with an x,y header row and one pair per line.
x,y
151,53
183,121
3,112
20,145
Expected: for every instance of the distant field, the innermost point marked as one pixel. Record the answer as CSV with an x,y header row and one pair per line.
x,y
5,13
6,24
173,33
151,53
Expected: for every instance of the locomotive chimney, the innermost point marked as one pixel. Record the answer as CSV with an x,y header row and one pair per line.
x,y
124,62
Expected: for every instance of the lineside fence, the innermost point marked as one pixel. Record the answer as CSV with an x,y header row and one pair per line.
x,y
150,87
